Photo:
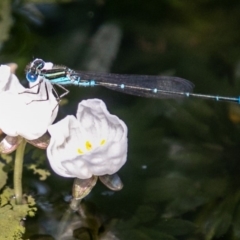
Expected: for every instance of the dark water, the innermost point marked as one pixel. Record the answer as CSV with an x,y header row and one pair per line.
x,y
181,180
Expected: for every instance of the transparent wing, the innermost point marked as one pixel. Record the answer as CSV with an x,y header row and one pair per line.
x,y
141,85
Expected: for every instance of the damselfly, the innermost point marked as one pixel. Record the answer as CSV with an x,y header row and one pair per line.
x,y
140,85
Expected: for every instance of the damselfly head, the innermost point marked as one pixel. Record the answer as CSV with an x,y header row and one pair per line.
x,y
34,69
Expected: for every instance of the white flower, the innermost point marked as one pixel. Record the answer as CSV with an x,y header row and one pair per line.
x,y
24,112
8,80
20,116
94,143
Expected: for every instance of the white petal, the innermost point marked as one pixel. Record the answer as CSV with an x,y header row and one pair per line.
x,y
38,116
93,144
63,146
10,109
25,114
8,80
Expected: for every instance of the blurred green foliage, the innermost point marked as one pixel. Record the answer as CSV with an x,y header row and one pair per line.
x,y
182,175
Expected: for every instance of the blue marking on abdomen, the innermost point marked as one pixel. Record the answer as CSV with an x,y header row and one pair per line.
x,y
122,86
61,81
90,83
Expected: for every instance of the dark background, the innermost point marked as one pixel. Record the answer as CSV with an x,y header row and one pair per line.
x,y
181,180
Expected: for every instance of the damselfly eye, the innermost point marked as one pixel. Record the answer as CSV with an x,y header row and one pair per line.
x,y
38,64
31,77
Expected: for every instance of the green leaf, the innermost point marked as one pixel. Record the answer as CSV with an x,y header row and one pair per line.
x,y
11,215
167,188
145,213
8,158
159,235
3,175
5,20
134,234
216,221
42,172
176,227
236,223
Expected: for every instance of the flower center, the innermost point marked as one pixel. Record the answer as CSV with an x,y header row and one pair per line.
x,y
89,146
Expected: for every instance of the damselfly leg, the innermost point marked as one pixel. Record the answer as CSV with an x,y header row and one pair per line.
x,y
37,92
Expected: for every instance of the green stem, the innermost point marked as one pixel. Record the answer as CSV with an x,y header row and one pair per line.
x,y
67,216
18,166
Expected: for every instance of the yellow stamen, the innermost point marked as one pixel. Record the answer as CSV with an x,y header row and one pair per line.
x,y
103,142
88,145
79,151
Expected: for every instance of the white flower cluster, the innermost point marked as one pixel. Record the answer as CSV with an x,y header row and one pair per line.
x,y
94,143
